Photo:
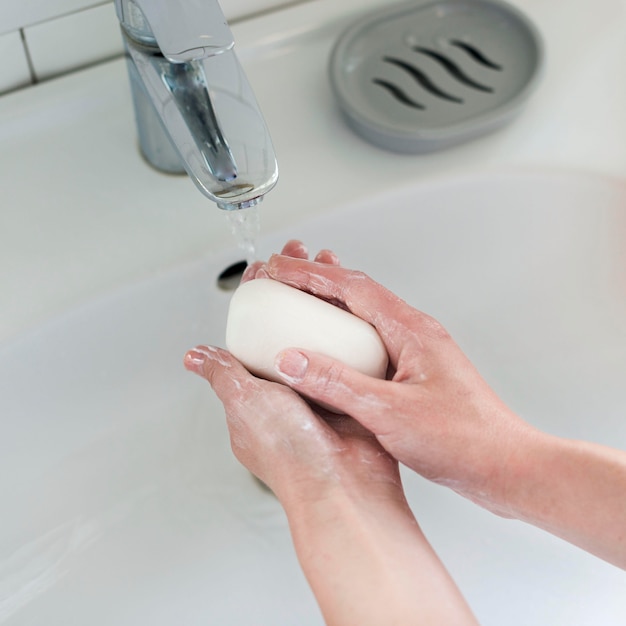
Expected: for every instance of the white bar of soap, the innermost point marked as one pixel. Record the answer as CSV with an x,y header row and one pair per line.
x,y
266,317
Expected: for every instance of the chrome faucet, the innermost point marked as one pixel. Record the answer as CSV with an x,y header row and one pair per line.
x,y
194,107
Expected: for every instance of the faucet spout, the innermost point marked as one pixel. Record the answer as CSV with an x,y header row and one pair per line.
x,y
193,103
197,110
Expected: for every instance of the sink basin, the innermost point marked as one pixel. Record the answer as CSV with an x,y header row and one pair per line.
x,y
122,503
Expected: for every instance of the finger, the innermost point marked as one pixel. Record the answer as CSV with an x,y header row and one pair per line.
x,y
236,387
347,426
399,325
328,257
295,249
250,271
329,382
228,377
361,294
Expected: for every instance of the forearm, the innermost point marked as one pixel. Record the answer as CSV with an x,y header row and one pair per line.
x,y
368,562
575,490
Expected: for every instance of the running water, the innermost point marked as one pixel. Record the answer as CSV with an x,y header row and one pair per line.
x,y
245,224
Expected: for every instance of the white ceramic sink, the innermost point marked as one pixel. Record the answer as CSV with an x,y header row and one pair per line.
x,y
120,501
123,505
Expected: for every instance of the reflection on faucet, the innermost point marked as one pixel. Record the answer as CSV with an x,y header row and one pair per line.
x,y
194,107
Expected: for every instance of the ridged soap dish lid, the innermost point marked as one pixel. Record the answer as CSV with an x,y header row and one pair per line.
x,y
422,76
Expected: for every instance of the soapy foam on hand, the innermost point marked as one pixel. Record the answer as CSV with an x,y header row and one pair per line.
x,y
267,317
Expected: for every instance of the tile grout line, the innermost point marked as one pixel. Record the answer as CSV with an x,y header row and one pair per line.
x,y
29,60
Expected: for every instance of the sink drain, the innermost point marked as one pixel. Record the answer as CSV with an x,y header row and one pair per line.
x,y
422,76
230,278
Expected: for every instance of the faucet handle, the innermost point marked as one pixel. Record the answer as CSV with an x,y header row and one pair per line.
x,y
185,31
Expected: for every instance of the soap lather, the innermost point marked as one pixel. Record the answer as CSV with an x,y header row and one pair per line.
x,y
266,317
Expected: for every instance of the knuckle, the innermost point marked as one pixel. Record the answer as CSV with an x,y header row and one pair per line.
x,y
434,328
428,326
353,283
330,380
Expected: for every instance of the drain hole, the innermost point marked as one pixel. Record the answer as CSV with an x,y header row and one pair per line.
x,y
230,278
476,54
453,69
398,93
422,79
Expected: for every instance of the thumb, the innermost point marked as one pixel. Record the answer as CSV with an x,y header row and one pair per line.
x,y
334,385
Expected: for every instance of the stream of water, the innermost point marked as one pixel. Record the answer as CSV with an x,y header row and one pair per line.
x,y
245,224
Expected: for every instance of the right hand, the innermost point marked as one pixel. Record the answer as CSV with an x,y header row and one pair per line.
x,y
435,413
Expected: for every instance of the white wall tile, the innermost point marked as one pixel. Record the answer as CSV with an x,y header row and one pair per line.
x,y
16,14
73,41
63,35
236,9
14,71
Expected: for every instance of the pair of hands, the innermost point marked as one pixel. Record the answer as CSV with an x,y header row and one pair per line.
x,y
434,413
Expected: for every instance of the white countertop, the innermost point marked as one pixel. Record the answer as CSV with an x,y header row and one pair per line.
x,y
82,214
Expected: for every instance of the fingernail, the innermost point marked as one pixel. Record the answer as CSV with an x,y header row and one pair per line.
x,y
271,262
262,273
292,365
194,361
248,273
299,247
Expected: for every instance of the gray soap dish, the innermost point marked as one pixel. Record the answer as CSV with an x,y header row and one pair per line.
x,y
421,76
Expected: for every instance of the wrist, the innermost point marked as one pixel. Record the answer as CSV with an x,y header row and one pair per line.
x,y
368,562
575,490
546,476
323,496
358,473
508,462
526,467
328,517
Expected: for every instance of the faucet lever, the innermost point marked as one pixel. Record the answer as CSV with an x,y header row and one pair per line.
x,y
179,28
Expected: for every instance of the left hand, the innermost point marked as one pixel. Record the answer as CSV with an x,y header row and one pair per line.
x,y
297,449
